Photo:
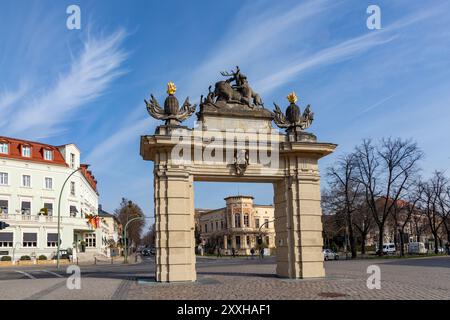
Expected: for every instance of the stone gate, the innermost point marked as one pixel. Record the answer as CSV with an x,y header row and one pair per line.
x,y
234,141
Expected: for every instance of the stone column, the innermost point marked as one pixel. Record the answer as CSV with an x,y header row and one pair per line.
x,y
174,218
225,242
298,223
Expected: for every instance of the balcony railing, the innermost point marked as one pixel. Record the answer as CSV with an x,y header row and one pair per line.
x,y
16,218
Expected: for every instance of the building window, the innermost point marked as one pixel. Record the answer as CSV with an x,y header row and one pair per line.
x,y
48,155
52,239
26,151
266,223
49,207
4,148
3,206
90,240
72,188
73,211
6,239
237,220
26,181
212,226
238,242
72,161
246,223
221,224
29,240
268,241
256,223
26,207
48,183
248,241
206,228
217,225
3,178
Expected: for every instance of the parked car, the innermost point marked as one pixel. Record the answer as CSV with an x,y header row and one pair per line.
x,y
416,247
147,252
329,254
389,248
63,254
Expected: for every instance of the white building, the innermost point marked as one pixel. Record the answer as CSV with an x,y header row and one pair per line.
x,y
31,177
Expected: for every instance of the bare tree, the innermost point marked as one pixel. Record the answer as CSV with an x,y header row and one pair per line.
x,y
385,171
364,223
127,211
444,202
149,238
434,191
403,210
345,189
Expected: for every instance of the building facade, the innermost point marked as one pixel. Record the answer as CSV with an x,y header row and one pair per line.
x,y
111,233
31,177
237,225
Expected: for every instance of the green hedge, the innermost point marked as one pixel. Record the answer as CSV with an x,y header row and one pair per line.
x,y
42,257
22,258
6,258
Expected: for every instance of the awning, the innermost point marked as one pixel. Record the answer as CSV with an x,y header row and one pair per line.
x,y
6,237
52,237
30,237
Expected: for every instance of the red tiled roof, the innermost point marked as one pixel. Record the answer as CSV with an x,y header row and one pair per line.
x,y
37,151
37,155
89,176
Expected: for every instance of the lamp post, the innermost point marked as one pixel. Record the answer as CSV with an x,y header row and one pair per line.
x,y
125,236
59,215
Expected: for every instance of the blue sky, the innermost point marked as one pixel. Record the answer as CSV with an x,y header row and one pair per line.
x,y
87,86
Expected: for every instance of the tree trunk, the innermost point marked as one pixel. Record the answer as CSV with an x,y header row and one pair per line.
x,y
380,240
402,244
351,236
436,243
363,244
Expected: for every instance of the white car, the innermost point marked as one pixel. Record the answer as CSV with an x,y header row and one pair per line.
x,y
389,248
330,255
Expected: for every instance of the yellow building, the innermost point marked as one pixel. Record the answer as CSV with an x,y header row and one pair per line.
x,y
238,225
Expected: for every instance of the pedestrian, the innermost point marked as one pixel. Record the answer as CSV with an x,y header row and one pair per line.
x,y
233,252
252,252
219,252
261,253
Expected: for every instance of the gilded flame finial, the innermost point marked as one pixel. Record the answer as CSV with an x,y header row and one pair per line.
x,y
292,97
171,88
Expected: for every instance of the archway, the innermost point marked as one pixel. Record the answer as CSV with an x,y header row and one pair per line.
x,y
234,142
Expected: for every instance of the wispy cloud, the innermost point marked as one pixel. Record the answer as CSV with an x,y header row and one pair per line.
x,y
123,136
88,77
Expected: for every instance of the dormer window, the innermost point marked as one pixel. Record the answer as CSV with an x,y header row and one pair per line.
x,y
4,147
48,155
26,151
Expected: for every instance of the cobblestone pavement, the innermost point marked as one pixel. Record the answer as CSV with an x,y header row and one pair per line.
x,y
423,278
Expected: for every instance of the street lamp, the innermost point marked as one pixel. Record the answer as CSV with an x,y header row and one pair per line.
x,y
59,215
125,236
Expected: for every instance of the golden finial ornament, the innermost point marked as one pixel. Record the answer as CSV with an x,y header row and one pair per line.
x,y
171,88
292,97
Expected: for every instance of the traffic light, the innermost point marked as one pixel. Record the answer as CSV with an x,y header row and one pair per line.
x,y
3,225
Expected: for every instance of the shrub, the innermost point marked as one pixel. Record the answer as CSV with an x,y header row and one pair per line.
x,y
22,258
6,258
42,257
